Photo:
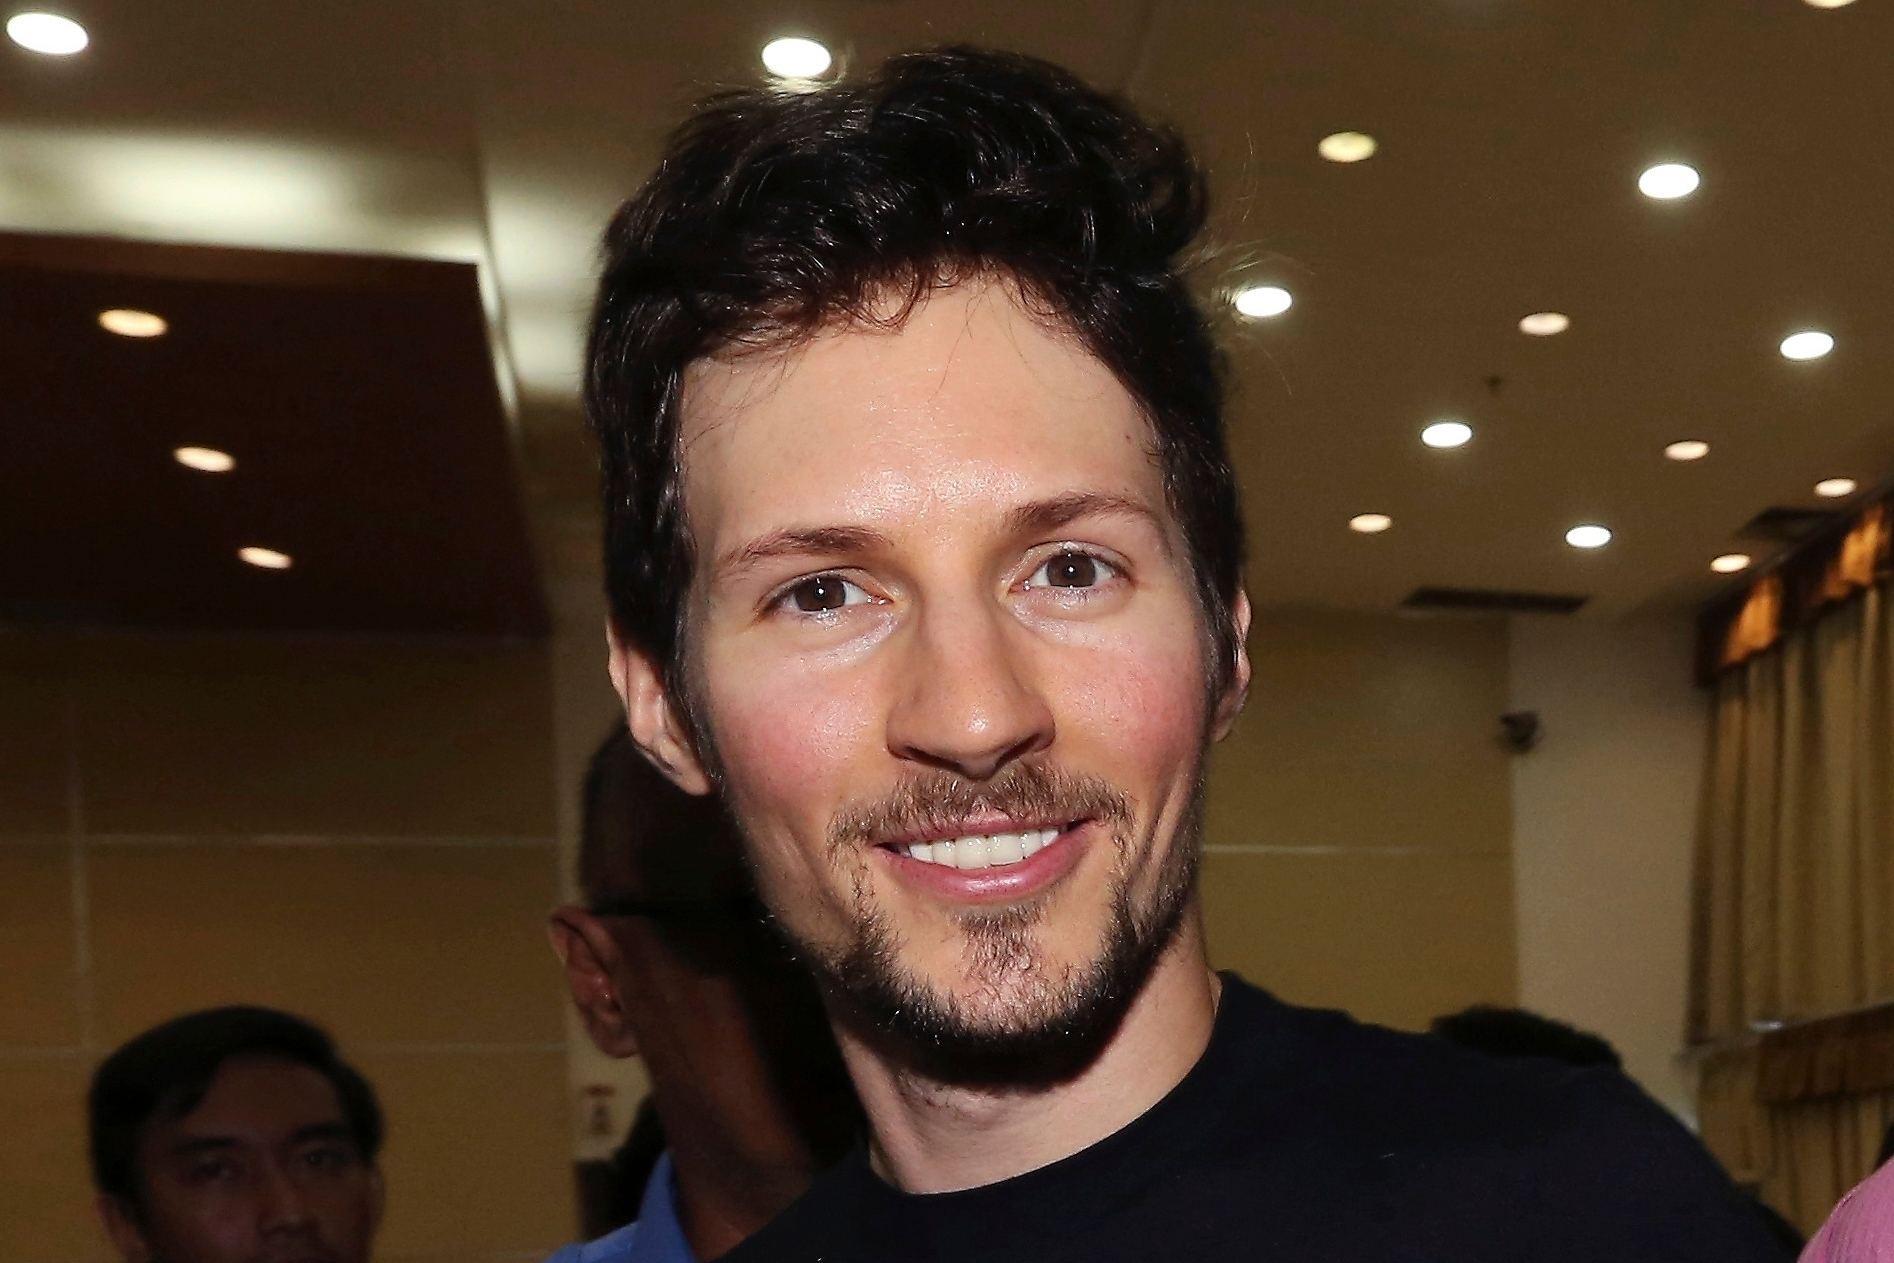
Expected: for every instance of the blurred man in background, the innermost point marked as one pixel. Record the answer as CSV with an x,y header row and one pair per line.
x,y
672,960
235,1135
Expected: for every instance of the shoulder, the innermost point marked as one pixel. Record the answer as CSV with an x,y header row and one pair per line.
x,y
1861,1230
1416,1082
1582,1151
614,1247
1422,1082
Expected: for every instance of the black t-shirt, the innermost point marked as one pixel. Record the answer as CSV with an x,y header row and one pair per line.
x,y
1303,1136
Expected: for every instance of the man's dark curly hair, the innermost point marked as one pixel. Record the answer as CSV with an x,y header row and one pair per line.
x,y
776,214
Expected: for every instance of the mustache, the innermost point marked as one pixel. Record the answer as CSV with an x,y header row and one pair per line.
x,y
936,800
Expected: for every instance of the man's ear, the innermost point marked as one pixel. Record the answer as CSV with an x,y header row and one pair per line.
x,y
122,1226
1237,691
592,959
653,719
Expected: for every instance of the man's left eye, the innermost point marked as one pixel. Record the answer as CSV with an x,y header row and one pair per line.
x,y
1070,570
329,1158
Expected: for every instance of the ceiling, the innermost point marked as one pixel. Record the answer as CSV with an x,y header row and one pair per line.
x,y
501,133
356,393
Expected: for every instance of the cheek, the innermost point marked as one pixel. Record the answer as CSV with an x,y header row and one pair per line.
x,y
790,736
212,1228
1134,700
348,1219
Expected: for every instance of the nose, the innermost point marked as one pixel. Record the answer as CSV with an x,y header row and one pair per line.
x,y
969,702
284,1207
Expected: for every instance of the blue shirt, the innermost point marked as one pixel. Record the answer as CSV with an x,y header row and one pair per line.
x,y
654,1237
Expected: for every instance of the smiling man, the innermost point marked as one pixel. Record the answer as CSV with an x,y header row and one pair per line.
x,y
924,550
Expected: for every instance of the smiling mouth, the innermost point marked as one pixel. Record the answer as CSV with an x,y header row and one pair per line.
x,y
981,850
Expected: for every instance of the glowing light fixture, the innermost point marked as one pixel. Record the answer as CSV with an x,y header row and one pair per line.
x,y
1543,324
1835,488
265,558
1668,181
1347,146
205,459
1370,523
127,322
1687,449
47,33
1447,434
1809,344
1829,4
1259,302
1589,535
795,58
1730,563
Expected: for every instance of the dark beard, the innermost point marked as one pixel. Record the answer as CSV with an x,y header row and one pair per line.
x,y
1071,1018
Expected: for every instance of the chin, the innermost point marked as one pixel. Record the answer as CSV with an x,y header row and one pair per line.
x,y
1002,1014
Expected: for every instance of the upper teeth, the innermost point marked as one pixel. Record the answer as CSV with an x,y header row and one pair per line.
x,y
989,850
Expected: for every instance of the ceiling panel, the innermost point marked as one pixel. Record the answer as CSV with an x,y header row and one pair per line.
x,y
356,394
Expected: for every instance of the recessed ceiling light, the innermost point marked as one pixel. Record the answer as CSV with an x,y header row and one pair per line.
x,y
1543,324
1370,523
1668,181
1829,4
47,33
207,459
128,322
1447,434
1730,563
1687,449
1810,344
1347,146
795,58
1259,302
1835,488
1590,535
266,558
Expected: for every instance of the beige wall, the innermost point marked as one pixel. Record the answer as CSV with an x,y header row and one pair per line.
x,y
359,831
1605,815
370,833
1359,832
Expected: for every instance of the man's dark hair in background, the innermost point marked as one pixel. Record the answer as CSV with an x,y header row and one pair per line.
x,y
671,960
233,1128
1520,1033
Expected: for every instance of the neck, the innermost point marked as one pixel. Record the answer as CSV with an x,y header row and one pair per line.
x,y
724,1196
933,1137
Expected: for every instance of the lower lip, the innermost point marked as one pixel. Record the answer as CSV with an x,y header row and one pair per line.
x,y
1007,884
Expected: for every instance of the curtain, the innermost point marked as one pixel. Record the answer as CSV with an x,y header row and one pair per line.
x,y
1794,909
1819,1150
1795,860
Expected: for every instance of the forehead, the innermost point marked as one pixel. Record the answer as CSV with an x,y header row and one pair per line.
x,y
971,400
256,1098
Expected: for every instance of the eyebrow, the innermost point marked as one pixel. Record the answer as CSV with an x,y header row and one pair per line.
x,y
1062,510
195,1145
1038,517
805,542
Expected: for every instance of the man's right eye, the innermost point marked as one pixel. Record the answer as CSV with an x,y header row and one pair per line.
x,y
824,592
214,1170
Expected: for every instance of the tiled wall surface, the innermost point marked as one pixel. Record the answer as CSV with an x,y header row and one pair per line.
x,y
1358,845
362,832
